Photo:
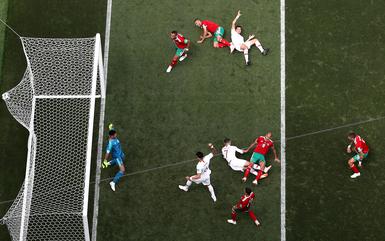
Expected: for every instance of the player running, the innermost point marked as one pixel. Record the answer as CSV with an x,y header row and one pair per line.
x,y
239,43
209,29
244,206
203,173
181,45
115,151
264,143
229,153
362,150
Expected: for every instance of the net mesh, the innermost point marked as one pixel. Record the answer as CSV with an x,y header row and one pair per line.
x,y
54,101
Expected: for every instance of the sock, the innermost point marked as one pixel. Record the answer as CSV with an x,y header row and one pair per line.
x,y
184,54
247,172
118,176
355,169
252,215
246,54
254,172
173,62
224,41
233,215
221,45
188,183
112,162
211,190
259,46
259,175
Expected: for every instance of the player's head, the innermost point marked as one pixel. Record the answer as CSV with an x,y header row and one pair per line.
x,y
238,29
248,190
197,22
173,34
112,133
351,135
199,155
227,141
269,135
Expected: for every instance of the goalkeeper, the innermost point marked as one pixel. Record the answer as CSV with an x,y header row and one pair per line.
x,y
115,151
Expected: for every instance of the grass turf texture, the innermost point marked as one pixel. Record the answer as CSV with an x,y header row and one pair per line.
x,y
335,76
35,18
165,118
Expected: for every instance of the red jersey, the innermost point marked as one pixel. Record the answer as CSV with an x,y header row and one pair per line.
x,y
245,201
263,145
360,145
180,41
210,26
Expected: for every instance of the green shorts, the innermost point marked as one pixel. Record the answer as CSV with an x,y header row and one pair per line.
x,y
179,52
219,32
256,158
357,157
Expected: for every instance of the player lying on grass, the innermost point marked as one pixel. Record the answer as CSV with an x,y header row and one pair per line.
x,y
359,146
244,206
239,43
203,172
114,151
229,153
264,143
181,45
210,29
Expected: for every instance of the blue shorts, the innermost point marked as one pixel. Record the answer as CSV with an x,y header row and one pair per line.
x,y
118,161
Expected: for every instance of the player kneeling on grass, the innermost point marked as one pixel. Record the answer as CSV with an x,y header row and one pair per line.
x,y
244,206
362,150
209,29
264,143
203,173
229,153
239,42
115,151
181,46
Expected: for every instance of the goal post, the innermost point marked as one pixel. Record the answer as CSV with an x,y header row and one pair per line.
x,y
56,102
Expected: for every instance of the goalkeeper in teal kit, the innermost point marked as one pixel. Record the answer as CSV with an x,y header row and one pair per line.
x,y
115,151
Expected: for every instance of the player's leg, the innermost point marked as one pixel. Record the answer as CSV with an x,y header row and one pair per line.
x,y
254,218
218,36
258,44
233,219
245,51
188,184
207,183
351,163
119,174
178,54
253,160
260,172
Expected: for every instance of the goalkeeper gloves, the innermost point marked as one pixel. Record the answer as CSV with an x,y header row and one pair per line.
x,y
105,164
111,126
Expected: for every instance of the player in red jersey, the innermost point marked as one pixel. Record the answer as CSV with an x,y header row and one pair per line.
x,y
181,45
264,143
244,206
212,29
362,150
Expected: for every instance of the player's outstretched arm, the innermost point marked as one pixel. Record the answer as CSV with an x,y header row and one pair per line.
x,y
212,149
251,146
235,19
275,155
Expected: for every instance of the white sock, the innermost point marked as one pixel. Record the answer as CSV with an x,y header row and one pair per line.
x,y
259,46
188,183
254,172
246,54
211,190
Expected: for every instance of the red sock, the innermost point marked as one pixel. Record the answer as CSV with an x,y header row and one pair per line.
x,y
224,41
173,62
247,171
259,175
355,169
252,215
221,45
233,216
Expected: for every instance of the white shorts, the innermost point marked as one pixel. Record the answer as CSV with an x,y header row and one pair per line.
x,y
238,46
237,164
204,180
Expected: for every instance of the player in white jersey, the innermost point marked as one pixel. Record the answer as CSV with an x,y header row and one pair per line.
x,y
202,175
229,153
239,43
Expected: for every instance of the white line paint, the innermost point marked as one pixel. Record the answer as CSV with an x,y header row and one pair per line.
x,y
283,124
101,124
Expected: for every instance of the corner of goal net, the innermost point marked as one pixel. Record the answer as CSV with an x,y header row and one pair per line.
x,y
5,96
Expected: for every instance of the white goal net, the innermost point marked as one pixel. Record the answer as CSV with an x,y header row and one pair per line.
x,y
56,102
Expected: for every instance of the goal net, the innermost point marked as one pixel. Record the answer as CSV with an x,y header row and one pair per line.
x,y
56,102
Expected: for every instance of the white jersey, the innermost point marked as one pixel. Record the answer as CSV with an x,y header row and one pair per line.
x,y
236,38
228,152
203,167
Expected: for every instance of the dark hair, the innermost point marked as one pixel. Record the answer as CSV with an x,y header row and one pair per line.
x,y
352,134
199,154
196,19
248,190
238,26
226,140
174,32
112,132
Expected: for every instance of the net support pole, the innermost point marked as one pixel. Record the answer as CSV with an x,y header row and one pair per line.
x,y
89,137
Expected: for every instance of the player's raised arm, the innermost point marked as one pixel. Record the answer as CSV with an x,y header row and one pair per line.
x,y
235,20
212,149
275,154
